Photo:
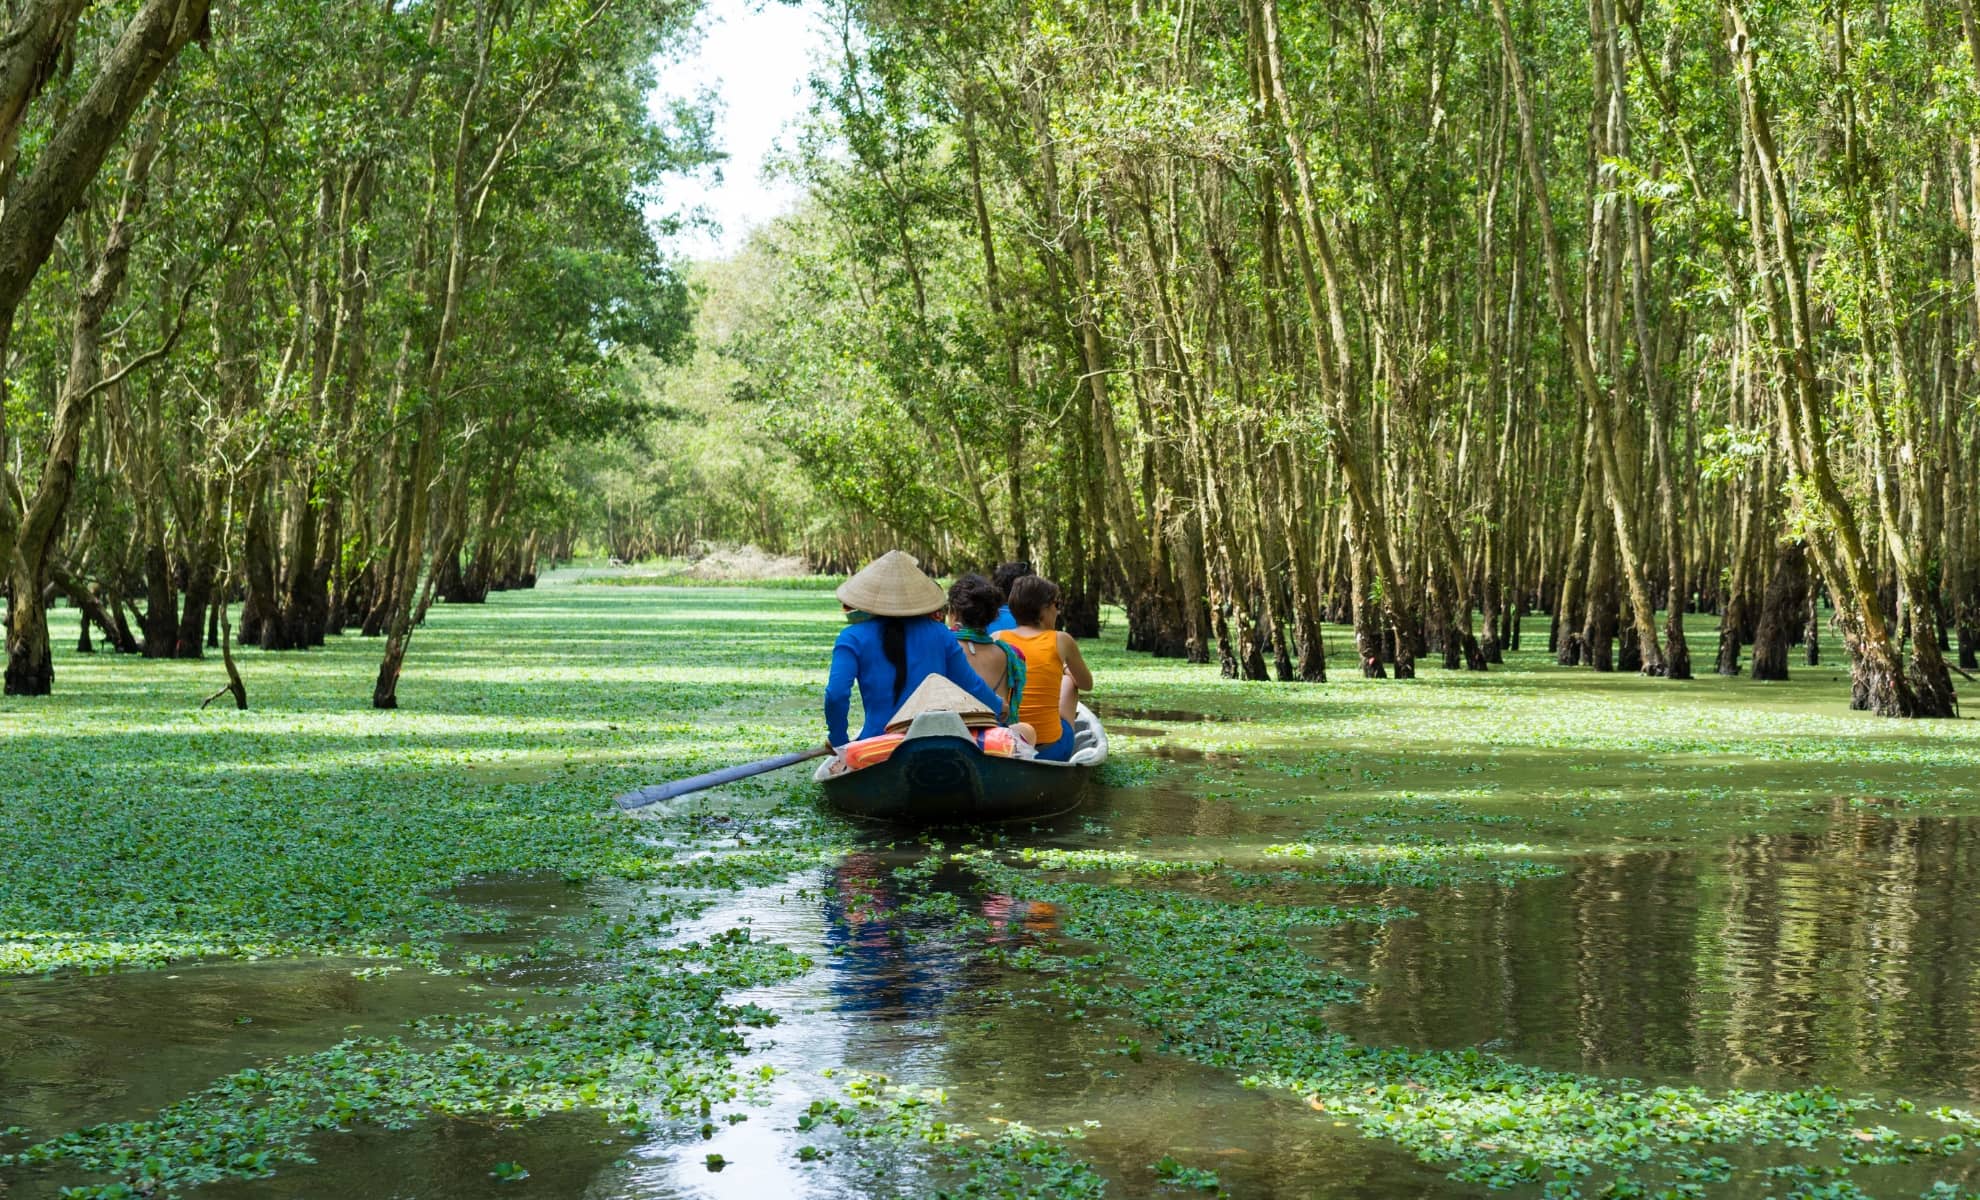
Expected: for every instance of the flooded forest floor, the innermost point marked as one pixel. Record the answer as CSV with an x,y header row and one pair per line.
x,y
1535,929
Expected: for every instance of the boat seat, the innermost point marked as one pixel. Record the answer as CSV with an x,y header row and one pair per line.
x,y
1089,740
1085,735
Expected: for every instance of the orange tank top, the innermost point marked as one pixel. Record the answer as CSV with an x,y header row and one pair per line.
x,y
1042,669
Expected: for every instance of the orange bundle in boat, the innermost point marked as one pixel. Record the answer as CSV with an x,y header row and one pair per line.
x,y
867,751
998,740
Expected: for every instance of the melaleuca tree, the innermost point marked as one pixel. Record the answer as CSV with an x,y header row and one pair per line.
x,y
381,261
1422,316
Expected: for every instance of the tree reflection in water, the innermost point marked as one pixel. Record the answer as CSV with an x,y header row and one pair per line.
x,y
1848,955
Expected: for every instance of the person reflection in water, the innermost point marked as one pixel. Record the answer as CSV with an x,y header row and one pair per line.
x,y
888,954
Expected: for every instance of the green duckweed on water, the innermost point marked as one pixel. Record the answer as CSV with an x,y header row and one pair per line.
x,y
1533,929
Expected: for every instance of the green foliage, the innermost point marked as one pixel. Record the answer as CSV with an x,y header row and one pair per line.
x,y
1149,293
378,243
700,465
1015,1163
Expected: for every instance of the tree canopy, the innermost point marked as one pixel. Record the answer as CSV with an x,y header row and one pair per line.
x,y
1418,316
338,283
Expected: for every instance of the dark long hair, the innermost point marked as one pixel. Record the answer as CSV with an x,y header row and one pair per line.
x,y
893,643
973,600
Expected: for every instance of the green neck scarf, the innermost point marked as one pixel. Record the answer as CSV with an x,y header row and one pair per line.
x,y
1014,672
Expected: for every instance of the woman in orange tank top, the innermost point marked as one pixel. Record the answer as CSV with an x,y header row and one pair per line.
x,y
1055,672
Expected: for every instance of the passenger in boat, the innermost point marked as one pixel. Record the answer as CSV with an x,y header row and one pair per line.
x,y
973,605
1003,577
1055,671
890,644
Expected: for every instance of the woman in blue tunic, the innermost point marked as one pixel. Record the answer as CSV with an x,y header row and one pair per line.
x,y
890,644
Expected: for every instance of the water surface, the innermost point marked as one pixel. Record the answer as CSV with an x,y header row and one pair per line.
x,y
1844,953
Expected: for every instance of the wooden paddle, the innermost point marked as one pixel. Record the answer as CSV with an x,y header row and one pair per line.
x,y
681,787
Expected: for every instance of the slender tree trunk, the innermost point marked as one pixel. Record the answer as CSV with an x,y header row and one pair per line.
x,y
1340,402
1782,609
408,556
1599,402
1878,679
30,657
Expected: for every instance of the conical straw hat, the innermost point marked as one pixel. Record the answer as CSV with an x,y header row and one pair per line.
x,y
937,694
893,586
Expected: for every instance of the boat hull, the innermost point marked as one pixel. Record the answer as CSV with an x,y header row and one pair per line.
x,y
947,780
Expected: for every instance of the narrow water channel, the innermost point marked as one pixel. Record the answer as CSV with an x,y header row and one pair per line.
x,y
1844,954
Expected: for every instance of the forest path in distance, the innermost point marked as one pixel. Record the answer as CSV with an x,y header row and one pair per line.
x,y
1357,940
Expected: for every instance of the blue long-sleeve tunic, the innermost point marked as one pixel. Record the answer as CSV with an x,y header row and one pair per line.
x,y
858,657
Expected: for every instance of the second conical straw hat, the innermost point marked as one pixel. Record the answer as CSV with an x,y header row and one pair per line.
x,y
938,694
893,586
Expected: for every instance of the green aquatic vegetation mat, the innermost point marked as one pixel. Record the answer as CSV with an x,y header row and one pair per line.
x,y
138,831
1124,862
1119,772
1234,986
1533,742
682,579
653,1042
1168,1170
1416,862
1013,1162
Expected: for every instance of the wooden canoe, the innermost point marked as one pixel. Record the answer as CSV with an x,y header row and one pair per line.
x,y
937,776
